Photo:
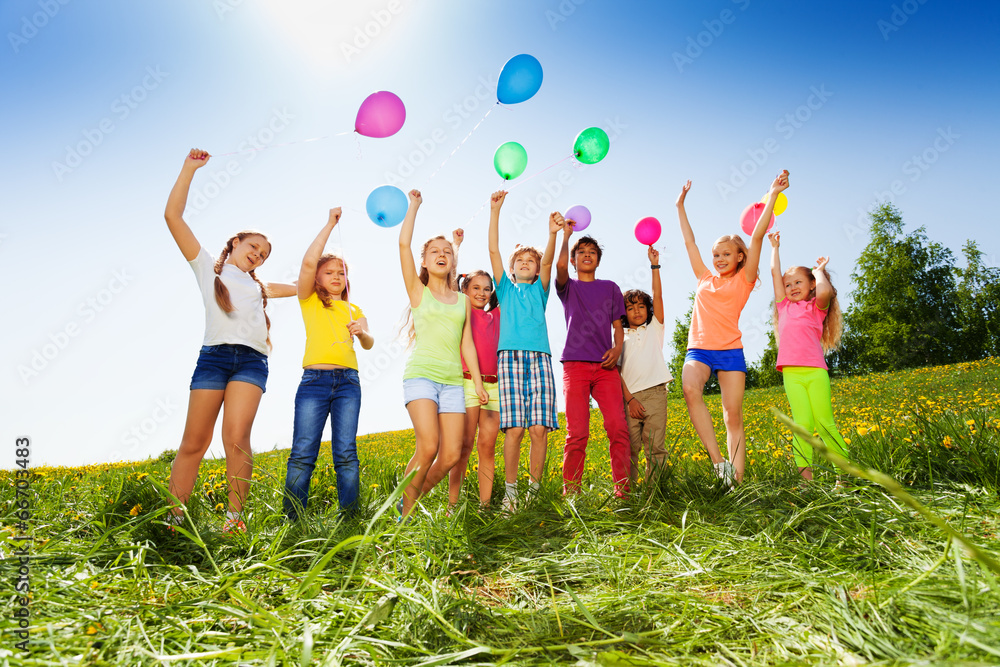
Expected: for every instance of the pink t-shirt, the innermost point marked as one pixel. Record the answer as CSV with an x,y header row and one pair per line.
x,y
800,331
715,319
486,335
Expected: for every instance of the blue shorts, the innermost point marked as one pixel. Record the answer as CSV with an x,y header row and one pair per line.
x,y
218,365
719,360
449,397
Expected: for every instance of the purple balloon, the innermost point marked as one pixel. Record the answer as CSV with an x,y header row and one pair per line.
x,y
580,216
381,115
647,231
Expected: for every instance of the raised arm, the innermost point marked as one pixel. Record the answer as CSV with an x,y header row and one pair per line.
x,y
496,260
556,222
654,261
562,264
177,200
757,239
307,272
414,288
697,265
824,290
776,276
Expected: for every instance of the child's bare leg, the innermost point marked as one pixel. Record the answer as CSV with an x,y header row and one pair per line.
x,y
512,453
489,427
693,379
240,408
424,415
203,410
733,386
536,455
456,476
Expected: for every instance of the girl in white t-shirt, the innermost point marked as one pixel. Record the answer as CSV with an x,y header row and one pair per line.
x,y
645,375
232,368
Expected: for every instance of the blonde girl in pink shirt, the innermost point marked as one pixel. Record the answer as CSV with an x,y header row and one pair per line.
x,y
807,324
715,343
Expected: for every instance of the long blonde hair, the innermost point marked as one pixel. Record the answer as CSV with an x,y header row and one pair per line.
x,y
833,323
406,321
222,292
741,247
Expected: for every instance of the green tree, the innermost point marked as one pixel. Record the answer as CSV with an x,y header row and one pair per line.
x,y
903,312
764,372
977,299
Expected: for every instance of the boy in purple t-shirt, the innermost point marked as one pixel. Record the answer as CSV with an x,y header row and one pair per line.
x,y
593,309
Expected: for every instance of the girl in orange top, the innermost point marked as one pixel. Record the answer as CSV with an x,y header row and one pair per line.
x,y
714,340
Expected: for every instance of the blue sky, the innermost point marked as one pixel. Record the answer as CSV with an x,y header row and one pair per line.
x,y
861,101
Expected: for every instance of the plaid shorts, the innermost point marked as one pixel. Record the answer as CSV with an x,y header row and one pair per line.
x,y
527,390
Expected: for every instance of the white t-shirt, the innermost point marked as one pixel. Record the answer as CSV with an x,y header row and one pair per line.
x,y
245,325
642,357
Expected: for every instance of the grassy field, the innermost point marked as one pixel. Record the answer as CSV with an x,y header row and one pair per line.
x,y
776,572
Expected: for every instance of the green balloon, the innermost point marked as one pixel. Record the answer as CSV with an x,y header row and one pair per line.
x,y
510,160
591,145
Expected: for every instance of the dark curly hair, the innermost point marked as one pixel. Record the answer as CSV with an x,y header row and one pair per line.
x,y
638,296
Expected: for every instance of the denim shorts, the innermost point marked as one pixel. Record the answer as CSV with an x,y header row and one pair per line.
x,y
449,397
218,365
719,360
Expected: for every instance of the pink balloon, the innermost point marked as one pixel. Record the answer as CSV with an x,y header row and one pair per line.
x,y
751,214
647,231
580,215
381,115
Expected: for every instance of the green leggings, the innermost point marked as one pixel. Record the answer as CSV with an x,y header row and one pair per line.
x,y
808,391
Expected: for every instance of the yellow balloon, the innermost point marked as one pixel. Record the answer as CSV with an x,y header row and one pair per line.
x,y
780,204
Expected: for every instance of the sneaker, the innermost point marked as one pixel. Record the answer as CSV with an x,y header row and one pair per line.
x,y
233,526
509,505
725,471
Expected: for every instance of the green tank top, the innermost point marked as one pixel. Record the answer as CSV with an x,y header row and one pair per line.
x,y
437,352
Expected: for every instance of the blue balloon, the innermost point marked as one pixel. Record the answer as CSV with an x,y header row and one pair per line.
x,y
520,79
386,206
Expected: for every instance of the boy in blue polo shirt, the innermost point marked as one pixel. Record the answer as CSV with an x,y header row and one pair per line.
x,y
524,366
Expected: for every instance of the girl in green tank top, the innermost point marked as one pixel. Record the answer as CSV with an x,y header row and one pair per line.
x,y
441,333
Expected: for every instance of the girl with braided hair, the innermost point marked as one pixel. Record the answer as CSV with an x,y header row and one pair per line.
x,y
232,368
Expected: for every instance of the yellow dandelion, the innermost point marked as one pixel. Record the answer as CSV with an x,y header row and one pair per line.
x,y
862,430
219,507
947,441
135,510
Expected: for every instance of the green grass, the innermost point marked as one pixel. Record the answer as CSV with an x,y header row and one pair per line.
x,y
777,572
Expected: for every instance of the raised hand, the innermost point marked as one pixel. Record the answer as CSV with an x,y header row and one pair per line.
x,y
457,237
196,159
653,254
821,263
335,214
683,194
556,222
775,239
416,198
496,199
780,182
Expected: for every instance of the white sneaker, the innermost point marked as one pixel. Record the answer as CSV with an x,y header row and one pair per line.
x,y
509,505
725,471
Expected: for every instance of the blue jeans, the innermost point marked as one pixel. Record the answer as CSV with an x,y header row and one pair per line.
x,y
337,393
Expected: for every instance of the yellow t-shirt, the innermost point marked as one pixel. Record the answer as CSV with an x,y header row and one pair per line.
x,y
327,338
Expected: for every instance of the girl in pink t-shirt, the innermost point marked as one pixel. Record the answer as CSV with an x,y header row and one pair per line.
x,y
714,341
807,324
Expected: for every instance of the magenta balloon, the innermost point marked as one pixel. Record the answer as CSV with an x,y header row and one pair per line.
x,y
580,216
647,231
751,214
381,115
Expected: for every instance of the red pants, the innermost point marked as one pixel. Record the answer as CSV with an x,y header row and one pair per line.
x,y
581,380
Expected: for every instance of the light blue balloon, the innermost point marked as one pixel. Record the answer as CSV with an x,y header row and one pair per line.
x,y
386,206
520,79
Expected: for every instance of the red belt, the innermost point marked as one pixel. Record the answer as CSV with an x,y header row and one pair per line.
x,y
492,379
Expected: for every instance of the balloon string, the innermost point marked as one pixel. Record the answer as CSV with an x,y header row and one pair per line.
x,y
287,143
347,278
478,211
462,143
523,181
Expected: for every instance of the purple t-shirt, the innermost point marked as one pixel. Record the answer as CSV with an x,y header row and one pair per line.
x,y
591,309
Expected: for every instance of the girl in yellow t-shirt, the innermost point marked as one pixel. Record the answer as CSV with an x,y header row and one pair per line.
x,y
715,343
330,385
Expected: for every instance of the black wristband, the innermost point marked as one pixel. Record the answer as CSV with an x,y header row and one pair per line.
x,y
654,266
